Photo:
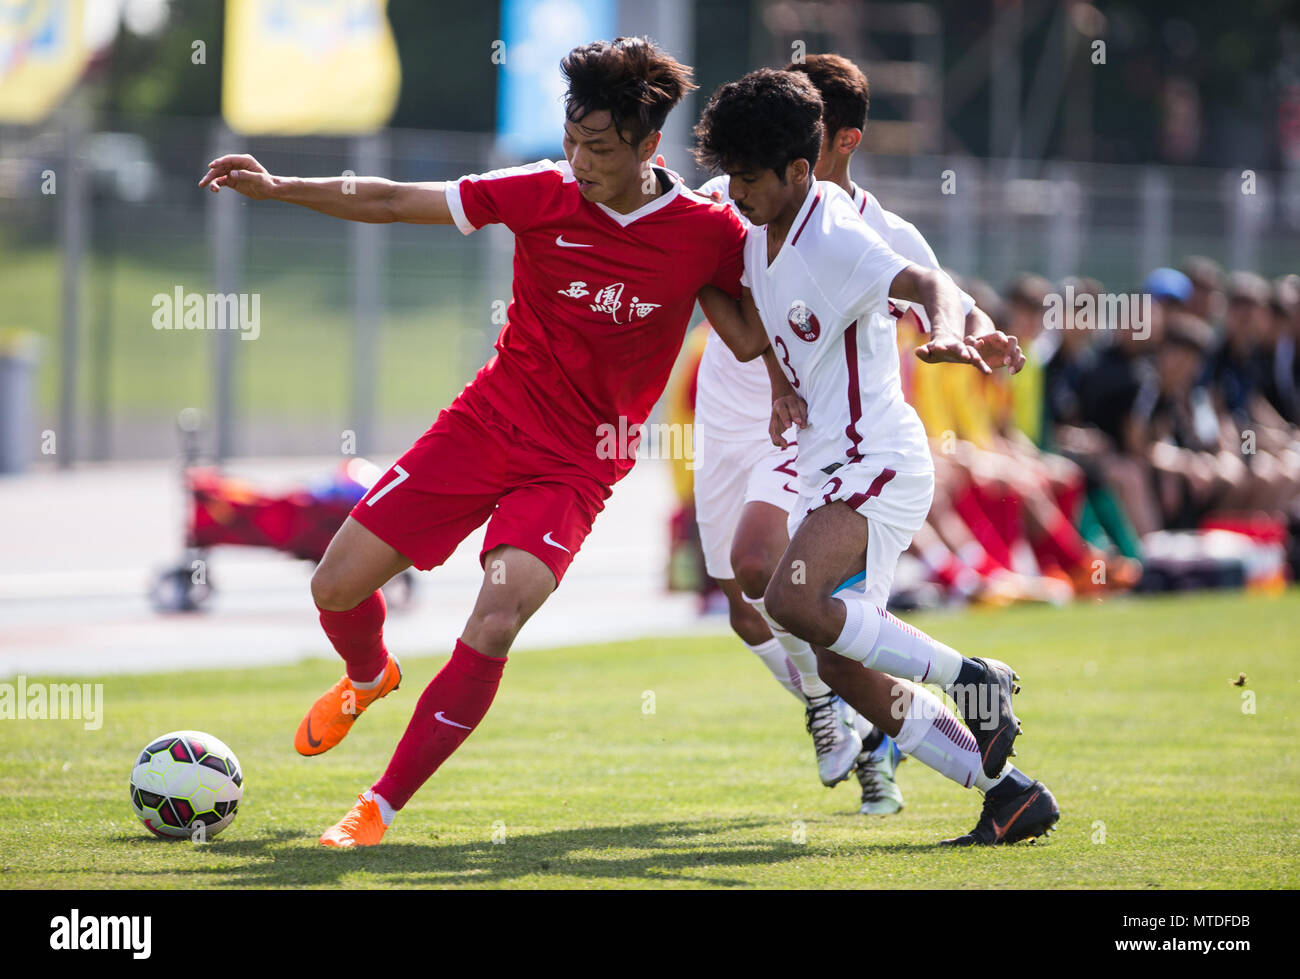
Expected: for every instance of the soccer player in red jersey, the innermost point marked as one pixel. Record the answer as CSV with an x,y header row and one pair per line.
x,y
610,254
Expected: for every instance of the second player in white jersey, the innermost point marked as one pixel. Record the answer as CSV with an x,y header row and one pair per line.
x,y
733,407
818,282
824,301
734,399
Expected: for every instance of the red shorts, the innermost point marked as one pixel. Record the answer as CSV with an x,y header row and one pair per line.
x,y
472,465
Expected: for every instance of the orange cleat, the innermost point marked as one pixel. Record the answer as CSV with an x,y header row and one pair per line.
x,y
362,826
331,717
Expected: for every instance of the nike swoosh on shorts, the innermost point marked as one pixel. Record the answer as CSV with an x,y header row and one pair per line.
x,y
547,539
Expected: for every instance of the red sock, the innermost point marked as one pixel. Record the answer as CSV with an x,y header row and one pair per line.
x,y
1045,556
986,566
947,570
967,505
1069,499
1004,511
1067,546
358,636
449,709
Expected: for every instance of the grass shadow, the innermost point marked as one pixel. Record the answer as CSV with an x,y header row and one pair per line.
x,y
670,852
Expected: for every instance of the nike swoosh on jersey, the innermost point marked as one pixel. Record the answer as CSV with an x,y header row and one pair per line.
x,y
559,240
439,717
547,539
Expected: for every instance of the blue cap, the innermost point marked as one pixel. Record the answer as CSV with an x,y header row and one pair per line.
x,y
1168,284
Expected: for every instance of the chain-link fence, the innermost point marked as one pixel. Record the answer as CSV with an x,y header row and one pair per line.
x,y
151,237
339,351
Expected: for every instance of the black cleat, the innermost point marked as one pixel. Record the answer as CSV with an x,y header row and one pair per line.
x,y
986,710
1024,815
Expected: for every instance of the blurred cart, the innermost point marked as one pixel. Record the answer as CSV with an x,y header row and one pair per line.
x,y
221,510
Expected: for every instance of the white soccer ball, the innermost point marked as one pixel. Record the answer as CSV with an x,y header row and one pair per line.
x,y
186,784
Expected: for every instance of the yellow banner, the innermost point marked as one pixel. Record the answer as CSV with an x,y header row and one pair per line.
x,y
309,66
41,56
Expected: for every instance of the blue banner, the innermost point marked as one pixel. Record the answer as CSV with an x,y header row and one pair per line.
x,y
536,35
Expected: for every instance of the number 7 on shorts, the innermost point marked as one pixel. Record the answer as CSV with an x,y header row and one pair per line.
x,y
402,474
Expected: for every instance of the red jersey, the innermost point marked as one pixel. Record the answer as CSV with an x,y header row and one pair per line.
x,y
600,303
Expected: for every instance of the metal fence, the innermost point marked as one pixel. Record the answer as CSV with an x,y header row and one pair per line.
x,y
367,331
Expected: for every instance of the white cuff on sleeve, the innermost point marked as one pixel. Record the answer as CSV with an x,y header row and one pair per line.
x,y
458,209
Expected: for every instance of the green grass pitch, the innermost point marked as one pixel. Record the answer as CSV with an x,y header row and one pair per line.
x,y
679,763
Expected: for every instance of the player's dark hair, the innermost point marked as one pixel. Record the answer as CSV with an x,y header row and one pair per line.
x,y
763,121
629,78
845,93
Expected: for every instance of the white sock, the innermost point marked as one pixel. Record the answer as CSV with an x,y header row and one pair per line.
x,y
984,783
800,653
804,660
881,642
774,658
972,554
934,558
386,812
371,684
1023,560
933,736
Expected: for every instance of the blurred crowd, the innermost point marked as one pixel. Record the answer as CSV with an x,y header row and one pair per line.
x,y
1139,421
1172,409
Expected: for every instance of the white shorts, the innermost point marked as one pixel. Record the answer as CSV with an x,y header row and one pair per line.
x,y
895,505
731,474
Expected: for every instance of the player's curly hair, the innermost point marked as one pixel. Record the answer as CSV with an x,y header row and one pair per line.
x,y
763,121
845,93
630,78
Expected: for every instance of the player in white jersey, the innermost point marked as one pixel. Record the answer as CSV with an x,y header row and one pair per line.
x,y
742,474
818,281
743,488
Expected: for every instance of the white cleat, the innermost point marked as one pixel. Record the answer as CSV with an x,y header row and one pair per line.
x,y
876,769
834,739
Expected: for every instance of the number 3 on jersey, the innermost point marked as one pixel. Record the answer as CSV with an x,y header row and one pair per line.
x,y
785,359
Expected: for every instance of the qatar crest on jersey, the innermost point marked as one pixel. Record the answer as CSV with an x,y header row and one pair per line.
x,y
803,321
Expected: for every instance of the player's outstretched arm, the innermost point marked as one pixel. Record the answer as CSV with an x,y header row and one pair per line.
x,y
978,324
373,200
997,348
736,323
942,302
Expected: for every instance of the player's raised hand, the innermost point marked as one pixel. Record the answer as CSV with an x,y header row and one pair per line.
x,y
1000,350
953,350
787,410
239,172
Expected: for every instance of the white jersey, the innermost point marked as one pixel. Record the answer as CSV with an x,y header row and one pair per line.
x,y
734,399
824,301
